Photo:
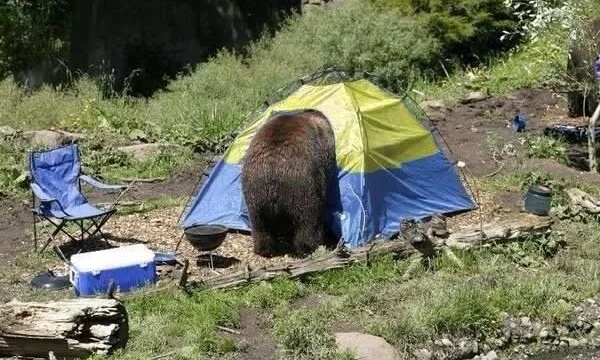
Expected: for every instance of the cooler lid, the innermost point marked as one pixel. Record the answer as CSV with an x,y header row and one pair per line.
x,y
112,258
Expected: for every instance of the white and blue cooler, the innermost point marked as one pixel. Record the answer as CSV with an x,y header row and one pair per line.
x,y
129,266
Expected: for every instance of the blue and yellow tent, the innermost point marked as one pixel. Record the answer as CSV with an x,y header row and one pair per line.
x,y
389,166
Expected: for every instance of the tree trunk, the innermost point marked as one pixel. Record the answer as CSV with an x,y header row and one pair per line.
x,y
69,328
592,140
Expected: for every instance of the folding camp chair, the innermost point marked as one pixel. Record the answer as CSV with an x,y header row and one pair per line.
x,y
55,182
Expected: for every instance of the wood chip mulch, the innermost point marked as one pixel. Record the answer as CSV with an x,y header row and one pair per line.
x,y
159,230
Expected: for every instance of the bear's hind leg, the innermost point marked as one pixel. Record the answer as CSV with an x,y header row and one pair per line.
x,y
308,238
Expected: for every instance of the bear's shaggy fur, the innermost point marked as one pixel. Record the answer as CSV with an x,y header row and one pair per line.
x,y
580,67
285,180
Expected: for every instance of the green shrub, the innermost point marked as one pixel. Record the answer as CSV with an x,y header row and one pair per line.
x,y
468,30
31,31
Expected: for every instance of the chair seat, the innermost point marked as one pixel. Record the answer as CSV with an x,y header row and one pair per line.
x,y
79,212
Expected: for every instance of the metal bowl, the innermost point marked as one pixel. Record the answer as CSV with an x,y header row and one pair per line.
x,y
206,237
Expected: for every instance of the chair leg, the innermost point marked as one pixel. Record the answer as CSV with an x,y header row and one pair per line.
x,y
34,233
82,232
58,229
100,224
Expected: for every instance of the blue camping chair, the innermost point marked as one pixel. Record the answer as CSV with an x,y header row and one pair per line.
x,y
55,182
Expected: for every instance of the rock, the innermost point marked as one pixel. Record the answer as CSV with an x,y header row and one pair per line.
x,y
69,137
7,131
423,354
490,356
562,330
544,334
365,346
44,137
143,151
573,342
447,342
475,97
583,342
563,343
525,321
51,138
436,110
138,135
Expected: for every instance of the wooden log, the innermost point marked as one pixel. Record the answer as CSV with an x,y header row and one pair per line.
x,y
500,232
336,259
580,198
67,328
341,257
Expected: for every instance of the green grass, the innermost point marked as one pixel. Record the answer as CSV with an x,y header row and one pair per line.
x,y
530,65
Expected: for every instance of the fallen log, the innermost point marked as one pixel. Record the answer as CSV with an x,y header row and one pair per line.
x,y
336,259
501,232
342,257
580,198
67,328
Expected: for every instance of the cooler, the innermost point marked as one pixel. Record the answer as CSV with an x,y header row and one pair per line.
x,y
129,266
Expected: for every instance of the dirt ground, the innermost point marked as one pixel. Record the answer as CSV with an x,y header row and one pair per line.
x,y
478,133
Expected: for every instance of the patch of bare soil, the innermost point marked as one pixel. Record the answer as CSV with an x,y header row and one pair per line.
x,y
474,131
254,339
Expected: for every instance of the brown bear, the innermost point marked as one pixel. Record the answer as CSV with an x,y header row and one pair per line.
x,y
581,69
285,182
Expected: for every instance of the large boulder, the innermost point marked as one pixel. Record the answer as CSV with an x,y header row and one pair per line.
x,y
144,151
365,346
51,138
7,131
435,110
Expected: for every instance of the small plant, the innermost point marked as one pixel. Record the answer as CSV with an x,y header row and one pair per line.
x,y
540,146
532,251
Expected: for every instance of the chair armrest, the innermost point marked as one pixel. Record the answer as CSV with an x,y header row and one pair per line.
x,y
97,184
41,194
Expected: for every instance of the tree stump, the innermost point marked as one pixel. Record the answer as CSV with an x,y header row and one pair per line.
x,y
69,328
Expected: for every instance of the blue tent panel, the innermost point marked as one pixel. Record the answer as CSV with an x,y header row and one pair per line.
x,y
364,205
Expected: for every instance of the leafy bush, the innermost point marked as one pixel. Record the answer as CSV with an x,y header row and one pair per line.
x,y
31,31
467,30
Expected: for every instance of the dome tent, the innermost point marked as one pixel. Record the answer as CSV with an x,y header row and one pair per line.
x,y
389,166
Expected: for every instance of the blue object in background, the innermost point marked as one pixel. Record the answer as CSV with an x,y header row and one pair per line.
x,y
519,122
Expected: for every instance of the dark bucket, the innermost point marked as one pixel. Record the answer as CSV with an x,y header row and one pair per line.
x,y
538,200
206,237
